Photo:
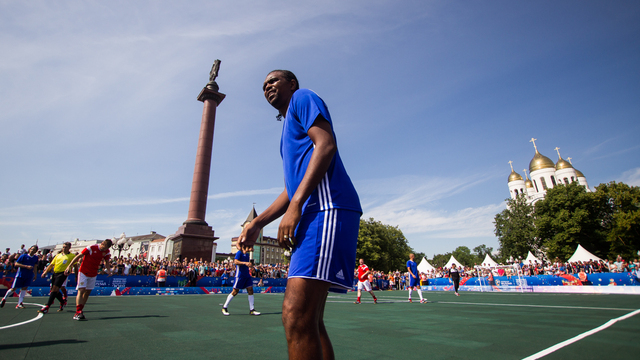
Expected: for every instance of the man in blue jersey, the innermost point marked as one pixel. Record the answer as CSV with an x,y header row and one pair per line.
x,y
414,278
243,280
26,265
320,213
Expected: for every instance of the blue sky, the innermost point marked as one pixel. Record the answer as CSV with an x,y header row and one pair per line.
x,y
430,100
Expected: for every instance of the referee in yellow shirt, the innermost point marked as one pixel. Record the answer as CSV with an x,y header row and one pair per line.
x,y
59,264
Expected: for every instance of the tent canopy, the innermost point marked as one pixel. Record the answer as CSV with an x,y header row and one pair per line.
x,y
582,255
488,261
453,261
424,266
531,258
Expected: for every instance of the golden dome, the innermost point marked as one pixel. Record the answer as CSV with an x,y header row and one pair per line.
x,y
528,183
514,176
539,162
563,164
578,173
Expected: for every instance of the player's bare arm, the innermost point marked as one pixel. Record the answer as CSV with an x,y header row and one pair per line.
x,y
46,270
410,272
324,149
107,265
238,262
28,267
250,233
75,259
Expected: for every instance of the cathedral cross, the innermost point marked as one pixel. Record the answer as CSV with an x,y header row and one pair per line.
x,y
534,143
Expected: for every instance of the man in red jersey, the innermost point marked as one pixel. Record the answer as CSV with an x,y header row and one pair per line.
x,y
91,257
363,281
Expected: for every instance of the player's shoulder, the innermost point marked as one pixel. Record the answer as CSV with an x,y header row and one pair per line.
x,y
301,93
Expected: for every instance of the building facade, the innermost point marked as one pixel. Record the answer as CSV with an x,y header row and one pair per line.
x,y
543,174
266,249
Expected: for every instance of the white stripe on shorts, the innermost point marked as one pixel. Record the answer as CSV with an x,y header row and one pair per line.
x,y
327,240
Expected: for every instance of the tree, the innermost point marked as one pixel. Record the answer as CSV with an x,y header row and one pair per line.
x,y
568,216
481,251
622,220
464,256
440,260
383,247
515,229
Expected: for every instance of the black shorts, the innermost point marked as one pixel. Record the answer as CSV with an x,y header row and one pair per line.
x,y
58,279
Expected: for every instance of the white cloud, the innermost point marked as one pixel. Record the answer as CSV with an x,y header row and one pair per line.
x,y
409,201
134,202
631,177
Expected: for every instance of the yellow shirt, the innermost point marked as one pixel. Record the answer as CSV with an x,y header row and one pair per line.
x,y
61,262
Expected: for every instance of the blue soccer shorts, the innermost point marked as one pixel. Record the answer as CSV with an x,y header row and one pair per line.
x,y
413,282
243,282
21,282
325,248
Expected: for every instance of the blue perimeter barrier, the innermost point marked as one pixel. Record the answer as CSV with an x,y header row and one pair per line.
x,y
146,285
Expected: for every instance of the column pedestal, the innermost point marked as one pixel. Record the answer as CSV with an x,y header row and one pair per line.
x,y
194,241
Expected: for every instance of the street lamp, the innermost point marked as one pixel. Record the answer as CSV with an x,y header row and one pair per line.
x,y
122,244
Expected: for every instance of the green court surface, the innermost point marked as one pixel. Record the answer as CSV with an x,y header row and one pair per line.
x,y
472,326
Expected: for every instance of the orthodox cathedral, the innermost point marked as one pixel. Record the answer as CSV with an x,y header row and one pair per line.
x,y
543,174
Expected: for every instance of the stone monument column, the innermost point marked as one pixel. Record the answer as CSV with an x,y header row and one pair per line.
x,y
195,238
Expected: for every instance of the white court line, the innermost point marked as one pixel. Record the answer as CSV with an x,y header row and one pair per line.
x,y
537,306
552,349
40,315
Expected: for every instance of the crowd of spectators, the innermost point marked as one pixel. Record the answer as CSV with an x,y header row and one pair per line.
x,y
398,280
139,265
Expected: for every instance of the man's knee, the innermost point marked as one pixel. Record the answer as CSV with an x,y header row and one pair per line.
x,y
298,318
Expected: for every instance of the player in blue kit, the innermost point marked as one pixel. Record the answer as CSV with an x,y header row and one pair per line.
x,y
414,278
26,264
243,280
320,212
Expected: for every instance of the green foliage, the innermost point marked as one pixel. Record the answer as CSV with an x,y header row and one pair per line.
x,y
481,251
464,256
515,229
440,260
622,221
569,216
383,247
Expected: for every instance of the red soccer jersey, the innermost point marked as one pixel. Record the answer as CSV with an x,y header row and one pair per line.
x,y
91,260
362,269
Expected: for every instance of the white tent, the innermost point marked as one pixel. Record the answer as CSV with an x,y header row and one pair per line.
x,y
488,261
424,266
531,258
582,255
453,261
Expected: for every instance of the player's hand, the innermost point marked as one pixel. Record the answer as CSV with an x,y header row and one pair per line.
x,y
66,272
248,237
43,275
287,229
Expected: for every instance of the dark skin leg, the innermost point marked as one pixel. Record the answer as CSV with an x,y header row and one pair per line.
x,y
302,317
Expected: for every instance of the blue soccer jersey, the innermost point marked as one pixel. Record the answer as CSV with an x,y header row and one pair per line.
x,y
414,269
26,259
242,270
336,190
